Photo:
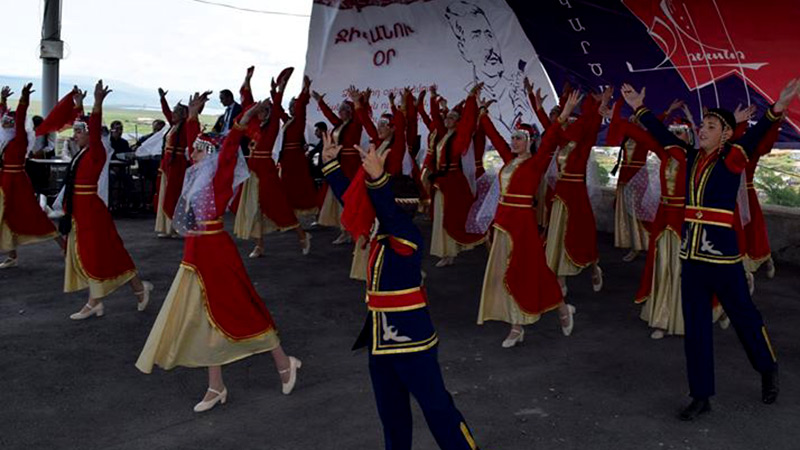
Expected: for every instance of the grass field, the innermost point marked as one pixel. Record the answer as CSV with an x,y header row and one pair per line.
x,y
136,122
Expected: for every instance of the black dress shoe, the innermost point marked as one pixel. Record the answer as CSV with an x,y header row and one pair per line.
x,y
697,407
769,387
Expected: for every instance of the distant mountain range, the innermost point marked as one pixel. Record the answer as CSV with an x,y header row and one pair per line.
x,y
125,95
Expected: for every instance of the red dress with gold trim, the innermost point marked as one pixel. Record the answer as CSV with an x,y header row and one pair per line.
x,y
233,304
580,238
295,174
20,212
173,161
529,280
444,164
101,253
348,135
757,249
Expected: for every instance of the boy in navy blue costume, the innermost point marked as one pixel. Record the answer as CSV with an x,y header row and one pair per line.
x,y
711,258
398,331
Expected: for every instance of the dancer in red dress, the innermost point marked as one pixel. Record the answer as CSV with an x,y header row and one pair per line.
x,y
295,174
630,231
173,166
518,286
22,221
96,257
263,206
213,315
452,197
572,234
347,133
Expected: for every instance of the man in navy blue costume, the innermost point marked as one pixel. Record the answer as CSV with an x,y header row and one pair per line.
x,y
711,258
398,331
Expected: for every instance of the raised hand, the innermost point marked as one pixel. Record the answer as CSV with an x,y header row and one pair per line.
x,y
162,93
373,162
367,95
249,75
78,96
573,99
484,104
197,102
633,98
605,97
744,114
675,105
27,90
688,113
392,96
254,111
330,149
353,94
100,93
317,96
476,90
306,83
283,77
434,91
791,90
528,85
5,93
539,98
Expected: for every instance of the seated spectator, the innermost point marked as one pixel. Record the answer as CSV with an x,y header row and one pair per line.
x,y
122,150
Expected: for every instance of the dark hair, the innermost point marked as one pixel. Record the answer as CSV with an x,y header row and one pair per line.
x,y
160,122
321,125
226,93
37,120
406,193
115,123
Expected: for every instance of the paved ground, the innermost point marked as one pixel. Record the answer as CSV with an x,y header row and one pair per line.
x,y
73,385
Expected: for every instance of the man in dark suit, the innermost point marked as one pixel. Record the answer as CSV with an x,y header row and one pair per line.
x,y
232,109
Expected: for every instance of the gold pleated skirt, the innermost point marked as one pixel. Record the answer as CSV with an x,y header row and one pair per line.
x,y
8,239
76,278
163,223
442,245
250,223
183,334
556,251
629,232
330,214
663,309
496,301
358,267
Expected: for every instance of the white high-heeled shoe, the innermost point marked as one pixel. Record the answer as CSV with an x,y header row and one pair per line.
x,y
751,282
294,365
96,310
770,269
307,244
221,397
344,238
597,286
142,304
8,263
257,252
517,339
567,330
446,261
657,334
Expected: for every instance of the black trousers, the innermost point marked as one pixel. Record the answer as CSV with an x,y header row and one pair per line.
x,y
394,377
700,281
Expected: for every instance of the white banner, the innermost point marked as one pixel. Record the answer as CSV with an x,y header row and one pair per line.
x,y
450,43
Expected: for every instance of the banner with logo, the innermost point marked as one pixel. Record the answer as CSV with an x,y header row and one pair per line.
x,y
708,53
388,45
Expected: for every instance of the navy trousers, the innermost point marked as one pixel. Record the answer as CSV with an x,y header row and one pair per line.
x,y
394,377
699,283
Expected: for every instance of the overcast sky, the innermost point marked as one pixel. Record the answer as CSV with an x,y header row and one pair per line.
x,y
178,44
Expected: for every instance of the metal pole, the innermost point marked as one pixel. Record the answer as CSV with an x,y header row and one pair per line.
x,y
51,52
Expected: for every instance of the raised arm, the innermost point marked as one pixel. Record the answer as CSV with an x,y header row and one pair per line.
x,y
657,129
69,108
467,123
4,94
246,92
436,112
369,126
426,119
497,141
326,110
22,109
165,109
97,152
